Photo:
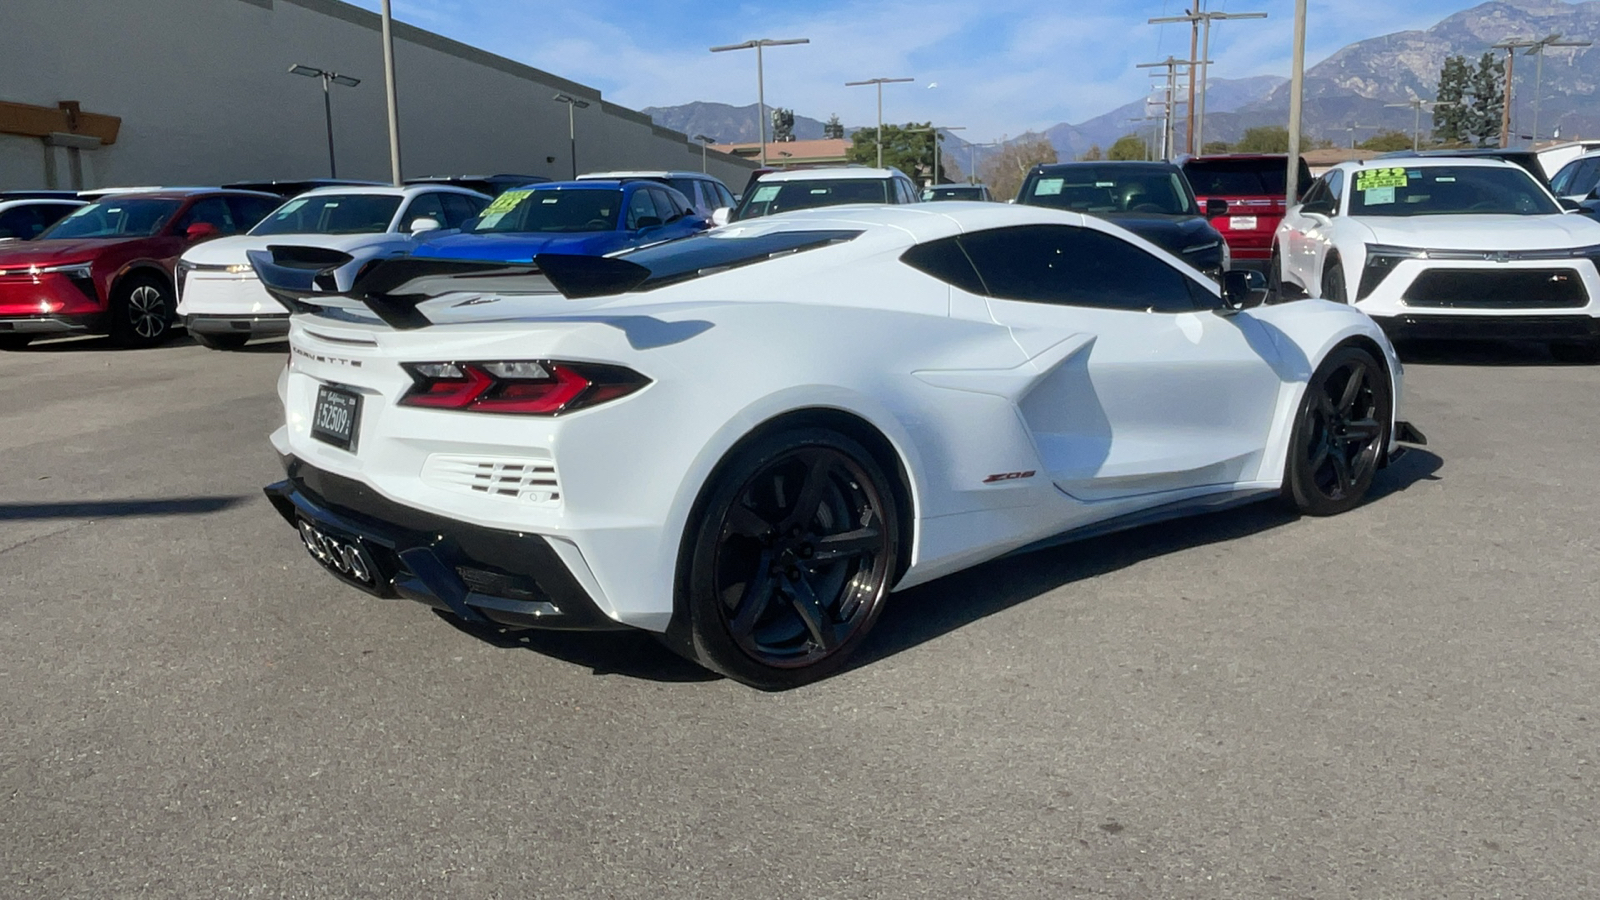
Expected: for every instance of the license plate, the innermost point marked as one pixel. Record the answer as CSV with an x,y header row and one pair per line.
x,y
343,556
335,417
1242,223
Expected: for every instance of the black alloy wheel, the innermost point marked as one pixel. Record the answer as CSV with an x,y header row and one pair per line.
x,y
1340,435
1333,287
143,312
791,560
220,341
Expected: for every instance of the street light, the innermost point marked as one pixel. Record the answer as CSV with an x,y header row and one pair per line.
x,y
1538,48
1352,129
934,180
761,84
573,103
880,82
327,102
704,140
1416,104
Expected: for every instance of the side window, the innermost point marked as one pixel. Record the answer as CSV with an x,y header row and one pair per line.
x,y
1568,173
1072,266
423,206
945,260
725,195
458,208
1336,189
641,209
211,210
1319,197
21,222
667,209
247,211
1587,176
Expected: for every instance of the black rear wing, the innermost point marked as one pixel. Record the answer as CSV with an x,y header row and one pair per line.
x,y
393,288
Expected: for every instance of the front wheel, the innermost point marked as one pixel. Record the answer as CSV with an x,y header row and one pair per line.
x,y
791,559
142,312
1340,433
1333,287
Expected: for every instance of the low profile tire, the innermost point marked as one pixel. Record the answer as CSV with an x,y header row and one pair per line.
x,y
142,312
1340,433
791,559
1333,287
1580,352
220,341
15,341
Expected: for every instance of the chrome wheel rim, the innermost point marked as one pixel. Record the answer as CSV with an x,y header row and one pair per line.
x,y
147,311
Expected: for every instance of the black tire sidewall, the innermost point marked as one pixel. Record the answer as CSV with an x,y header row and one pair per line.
x,y
122,330
220,341
1333,285
1299,488
708,638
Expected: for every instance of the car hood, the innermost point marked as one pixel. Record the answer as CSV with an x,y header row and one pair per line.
x,y
516,247
1481,232
49,253
230,250
1173,234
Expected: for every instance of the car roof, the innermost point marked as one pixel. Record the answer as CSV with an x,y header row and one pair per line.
x,y
617,176
179,193
1389,162
1118,163
40,201
388,190
590,185
863,173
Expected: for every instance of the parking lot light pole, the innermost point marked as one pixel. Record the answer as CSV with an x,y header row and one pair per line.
x,y
761,80
1297,88
573,103
390,97
705,141
327,103
1415,104
880,82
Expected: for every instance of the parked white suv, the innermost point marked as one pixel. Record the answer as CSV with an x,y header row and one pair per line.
x,y
705,192
223,303
787,190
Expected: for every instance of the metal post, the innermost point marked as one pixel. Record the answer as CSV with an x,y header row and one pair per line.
x,y
1205,82
392,98
1505,112
1538,91
1194,42
1416,124
761,104
572,136
880,124
327,110
1297,86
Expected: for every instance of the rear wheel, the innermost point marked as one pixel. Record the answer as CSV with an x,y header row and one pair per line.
x,y
14,341
1333,288
142,312
220,341
1340,433
791,559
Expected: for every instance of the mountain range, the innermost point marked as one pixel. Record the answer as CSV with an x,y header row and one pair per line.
x,y
1347,95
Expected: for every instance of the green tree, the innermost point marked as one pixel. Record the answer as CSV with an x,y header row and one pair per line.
x,y
833,129
1387,142
1488,101
1095,153
1452,111
1217,147
1004,168
908,148
1129,146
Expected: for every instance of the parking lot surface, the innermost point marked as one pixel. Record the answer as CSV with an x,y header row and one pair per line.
x,y
1398,702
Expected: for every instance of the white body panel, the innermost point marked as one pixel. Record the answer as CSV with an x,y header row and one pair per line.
x,y
1102,414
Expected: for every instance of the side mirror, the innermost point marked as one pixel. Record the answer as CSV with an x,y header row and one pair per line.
x,y
1241,291
1569,204
720,215
199,231
424,224
1216,208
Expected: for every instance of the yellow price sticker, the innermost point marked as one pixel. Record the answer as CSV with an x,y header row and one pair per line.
x,y
505,202
1373,179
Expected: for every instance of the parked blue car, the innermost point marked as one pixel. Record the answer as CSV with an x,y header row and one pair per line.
x,y
587,218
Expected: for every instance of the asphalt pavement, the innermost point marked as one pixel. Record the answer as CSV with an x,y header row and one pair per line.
x,y
1395,703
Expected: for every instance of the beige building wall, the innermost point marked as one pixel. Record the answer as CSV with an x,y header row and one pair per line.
x,y
203,90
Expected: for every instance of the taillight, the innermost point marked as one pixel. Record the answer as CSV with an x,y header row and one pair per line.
x,y
521,387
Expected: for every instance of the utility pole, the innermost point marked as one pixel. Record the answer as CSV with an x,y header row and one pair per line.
x,y
1297,89
880,82
1510,46
1539,47
1171,64
1416,104
1200,23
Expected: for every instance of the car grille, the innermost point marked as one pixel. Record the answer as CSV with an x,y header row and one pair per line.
x,y
1513,289
528,480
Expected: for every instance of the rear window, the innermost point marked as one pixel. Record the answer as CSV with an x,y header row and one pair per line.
x,y
1242,177
710,253
767,199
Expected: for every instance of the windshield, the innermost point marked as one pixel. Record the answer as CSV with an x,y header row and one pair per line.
x,y
785,196
115,217
551,211
1242,177
332,214
1111,189
1448,191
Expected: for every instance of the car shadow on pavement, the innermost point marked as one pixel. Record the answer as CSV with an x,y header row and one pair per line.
x,y
1479,353
932,610
631,654
116,509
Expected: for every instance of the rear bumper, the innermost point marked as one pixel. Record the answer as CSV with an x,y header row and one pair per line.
x,y
1499,327
48,325
481,575
255,326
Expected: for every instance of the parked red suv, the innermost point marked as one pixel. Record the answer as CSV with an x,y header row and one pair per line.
x,y
1253,187
108,267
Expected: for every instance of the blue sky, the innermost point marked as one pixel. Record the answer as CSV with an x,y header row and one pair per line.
x,y
1001,67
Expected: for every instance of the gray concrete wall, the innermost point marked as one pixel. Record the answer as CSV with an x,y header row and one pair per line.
x,y
205,97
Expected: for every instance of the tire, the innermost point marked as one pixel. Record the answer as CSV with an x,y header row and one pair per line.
x,y
1340,432
1275,277
15,341
1333,288
220,341
142,312
1578,352
790,558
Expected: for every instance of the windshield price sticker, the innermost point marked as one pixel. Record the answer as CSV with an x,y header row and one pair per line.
x,y
505,203
1382,196
1049,187
1372,179
765,193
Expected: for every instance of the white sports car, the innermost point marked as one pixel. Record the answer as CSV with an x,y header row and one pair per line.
x,y
742,441
1447,247
224,306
